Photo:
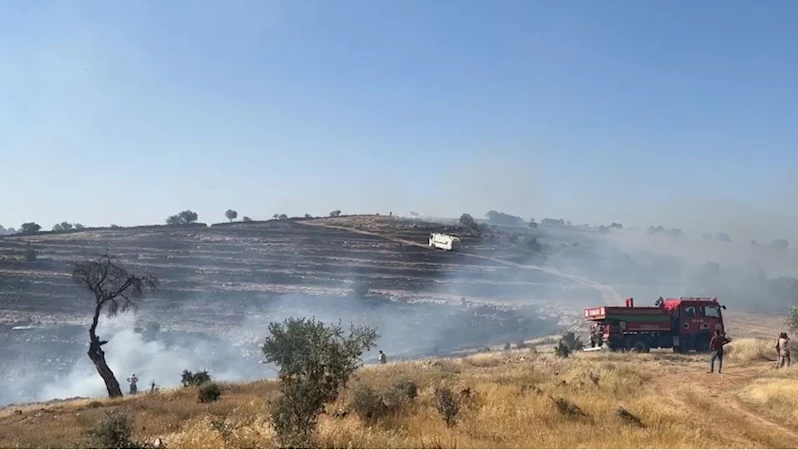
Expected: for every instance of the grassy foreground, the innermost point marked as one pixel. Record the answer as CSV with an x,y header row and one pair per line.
x,y
517,398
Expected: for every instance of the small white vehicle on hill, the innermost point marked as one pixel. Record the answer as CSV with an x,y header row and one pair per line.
x,y
443,241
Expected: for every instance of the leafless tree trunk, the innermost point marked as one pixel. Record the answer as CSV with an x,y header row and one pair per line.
x,y
97,356
115,290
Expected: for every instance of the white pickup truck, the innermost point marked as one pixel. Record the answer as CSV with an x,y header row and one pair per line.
x,y
442,241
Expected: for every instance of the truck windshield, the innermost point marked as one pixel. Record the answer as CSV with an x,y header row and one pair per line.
x,y
712,311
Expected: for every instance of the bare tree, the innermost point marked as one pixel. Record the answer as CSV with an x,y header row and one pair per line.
x,y
115,290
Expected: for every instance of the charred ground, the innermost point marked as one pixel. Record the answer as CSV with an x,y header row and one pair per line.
x,y
222,284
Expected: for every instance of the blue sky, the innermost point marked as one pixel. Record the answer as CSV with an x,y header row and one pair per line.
x,y
129,111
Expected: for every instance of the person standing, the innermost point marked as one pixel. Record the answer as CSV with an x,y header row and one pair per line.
x,y
783,349
716,347
383,359
133,380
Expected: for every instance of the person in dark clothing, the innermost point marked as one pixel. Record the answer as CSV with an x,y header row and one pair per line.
x,y
716,347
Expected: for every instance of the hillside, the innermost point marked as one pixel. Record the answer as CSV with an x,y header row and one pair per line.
x,y
520,398
221,286
327,256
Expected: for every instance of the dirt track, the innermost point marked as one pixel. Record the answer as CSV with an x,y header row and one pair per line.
x,y
608,293
712,398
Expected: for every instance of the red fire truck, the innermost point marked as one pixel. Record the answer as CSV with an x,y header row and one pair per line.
x,y
683,324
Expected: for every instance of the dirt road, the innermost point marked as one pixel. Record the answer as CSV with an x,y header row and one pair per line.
x,y
712,400
608,294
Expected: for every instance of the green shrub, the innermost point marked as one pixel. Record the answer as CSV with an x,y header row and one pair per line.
x,y
190,379
447,404
406,390
209,392
315,361
573,341
562,350
369,405
115,430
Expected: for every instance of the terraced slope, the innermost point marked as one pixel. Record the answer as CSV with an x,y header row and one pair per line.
x,y
249,260
221,285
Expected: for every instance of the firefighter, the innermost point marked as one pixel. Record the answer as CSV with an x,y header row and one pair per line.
x,y
595,335
599,335
133,380
383,359
783,349
716,347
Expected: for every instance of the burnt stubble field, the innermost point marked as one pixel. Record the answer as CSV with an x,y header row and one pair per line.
x,y
221,286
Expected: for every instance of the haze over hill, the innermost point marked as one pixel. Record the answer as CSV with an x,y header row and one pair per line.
x,y
667,127
221,285
655,116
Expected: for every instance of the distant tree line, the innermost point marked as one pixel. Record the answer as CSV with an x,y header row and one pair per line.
x,y
66,226
6,230
659,229
547,222
500,218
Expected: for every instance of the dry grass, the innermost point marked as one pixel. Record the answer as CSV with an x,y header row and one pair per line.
x,y
507,399
776,395
751,350
747,324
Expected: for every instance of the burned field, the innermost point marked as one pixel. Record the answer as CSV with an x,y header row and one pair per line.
x,y
237,264
222,285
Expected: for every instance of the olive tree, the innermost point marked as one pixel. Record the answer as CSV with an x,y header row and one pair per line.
x,y
182,218
792,320
63,226
231,215
115,290
467,221
315,361
30,227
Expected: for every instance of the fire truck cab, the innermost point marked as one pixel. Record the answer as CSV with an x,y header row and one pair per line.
x,y
683,324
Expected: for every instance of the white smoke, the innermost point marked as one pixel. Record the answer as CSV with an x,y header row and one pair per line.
x,y
127,353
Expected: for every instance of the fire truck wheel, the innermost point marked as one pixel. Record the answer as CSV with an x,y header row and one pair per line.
x,y
640,346
702,344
